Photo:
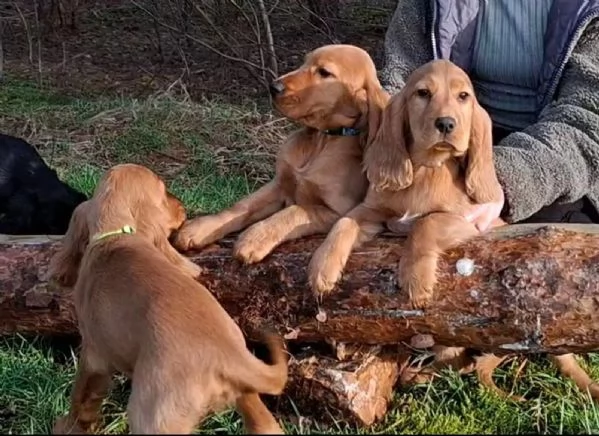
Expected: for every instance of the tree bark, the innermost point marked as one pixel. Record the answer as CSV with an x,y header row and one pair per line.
x,y
535,288
357,391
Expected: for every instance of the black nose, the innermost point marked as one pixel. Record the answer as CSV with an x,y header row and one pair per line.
x,y
445,125
276,88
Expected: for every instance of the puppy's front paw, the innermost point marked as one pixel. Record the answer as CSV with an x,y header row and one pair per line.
x,y
65,278
418,279
253,245
324,273
193,269
197,233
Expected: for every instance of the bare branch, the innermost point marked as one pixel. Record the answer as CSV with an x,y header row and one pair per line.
x,y
269,39
250,66
27,31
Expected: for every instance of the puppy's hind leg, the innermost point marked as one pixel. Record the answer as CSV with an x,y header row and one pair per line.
x,y
92,384
162,402
257,419
569,367
486,364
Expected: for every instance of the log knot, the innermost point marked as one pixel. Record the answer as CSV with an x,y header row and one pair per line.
x,y
530,280
38,297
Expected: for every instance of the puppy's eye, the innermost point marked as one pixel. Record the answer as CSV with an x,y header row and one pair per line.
x,y
423,93
324,73
463,96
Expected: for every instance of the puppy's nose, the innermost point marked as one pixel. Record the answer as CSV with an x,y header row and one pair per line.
x,y
276,88
445,125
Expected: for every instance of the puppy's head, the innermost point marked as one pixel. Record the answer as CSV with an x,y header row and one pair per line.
x,y
440,108
435,117
140,193
127,195
333,88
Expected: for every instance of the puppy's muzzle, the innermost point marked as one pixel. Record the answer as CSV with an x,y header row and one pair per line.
x,y
276,88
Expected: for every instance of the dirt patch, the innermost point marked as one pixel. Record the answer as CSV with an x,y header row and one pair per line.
x,y
115,48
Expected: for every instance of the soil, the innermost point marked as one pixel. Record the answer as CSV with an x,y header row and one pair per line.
x,y
111,46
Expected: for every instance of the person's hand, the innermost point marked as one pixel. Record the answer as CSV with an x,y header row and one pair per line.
x,y
482,215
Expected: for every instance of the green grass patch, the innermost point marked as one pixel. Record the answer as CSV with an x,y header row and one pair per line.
x,y
211,154
35,382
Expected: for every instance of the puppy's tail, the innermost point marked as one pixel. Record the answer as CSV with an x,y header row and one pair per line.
x,y
257,376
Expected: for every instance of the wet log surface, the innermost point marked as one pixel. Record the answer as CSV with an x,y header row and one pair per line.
x,y
535,288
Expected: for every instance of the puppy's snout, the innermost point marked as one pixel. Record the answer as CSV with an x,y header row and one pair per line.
x,y
445,125
276,88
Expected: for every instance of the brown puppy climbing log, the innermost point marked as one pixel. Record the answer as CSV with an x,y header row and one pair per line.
x,y
534,288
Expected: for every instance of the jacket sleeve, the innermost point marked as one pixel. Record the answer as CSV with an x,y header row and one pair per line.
x,y
557,158
407,44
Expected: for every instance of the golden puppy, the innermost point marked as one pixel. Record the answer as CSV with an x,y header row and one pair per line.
x,y
430,160
141,313
319,173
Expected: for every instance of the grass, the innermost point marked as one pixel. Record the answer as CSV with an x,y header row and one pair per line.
x,y
211,154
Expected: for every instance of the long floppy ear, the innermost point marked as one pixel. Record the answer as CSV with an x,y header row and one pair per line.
x,y
481,180
154,221
386,159
64,265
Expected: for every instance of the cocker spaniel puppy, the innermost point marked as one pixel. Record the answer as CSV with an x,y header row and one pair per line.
x,y
430,160
318,175
142,313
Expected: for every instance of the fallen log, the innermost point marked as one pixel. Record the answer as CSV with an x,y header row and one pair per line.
x,y
535,288
357,390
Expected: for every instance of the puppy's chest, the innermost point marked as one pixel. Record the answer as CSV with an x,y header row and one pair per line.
x,y
439,191
332,177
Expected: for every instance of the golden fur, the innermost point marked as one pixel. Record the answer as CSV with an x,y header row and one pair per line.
x,y
429,180
418,173
142,313
318,176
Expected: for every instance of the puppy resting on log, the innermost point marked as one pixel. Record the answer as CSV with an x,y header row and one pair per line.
x,y
429,161
141,312
319,168
431,158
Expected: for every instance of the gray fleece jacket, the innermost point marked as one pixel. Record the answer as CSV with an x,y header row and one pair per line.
x,y
554,158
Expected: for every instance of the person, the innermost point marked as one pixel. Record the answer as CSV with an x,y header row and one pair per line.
x,y
535,69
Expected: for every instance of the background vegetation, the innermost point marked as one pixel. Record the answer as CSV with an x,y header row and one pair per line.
x,y
179,86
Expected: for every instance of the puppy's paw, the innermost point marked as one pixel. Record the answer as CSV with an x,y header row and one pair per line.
x,y
253,245
66,425
197,233
66,278
250,252
324,273
193,270
418,279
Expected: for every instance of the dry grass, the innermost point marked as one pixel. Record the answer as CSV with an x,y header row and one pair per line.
x,y
188,143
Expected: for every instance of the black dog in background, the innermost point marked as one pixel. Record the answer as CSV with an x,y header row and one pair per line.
x,y
33,201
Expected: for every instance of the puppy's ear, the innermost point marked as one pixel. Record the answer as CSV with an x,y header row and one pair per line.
x,y
160,225
64,265
386,159
481,180
175,210
348,108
